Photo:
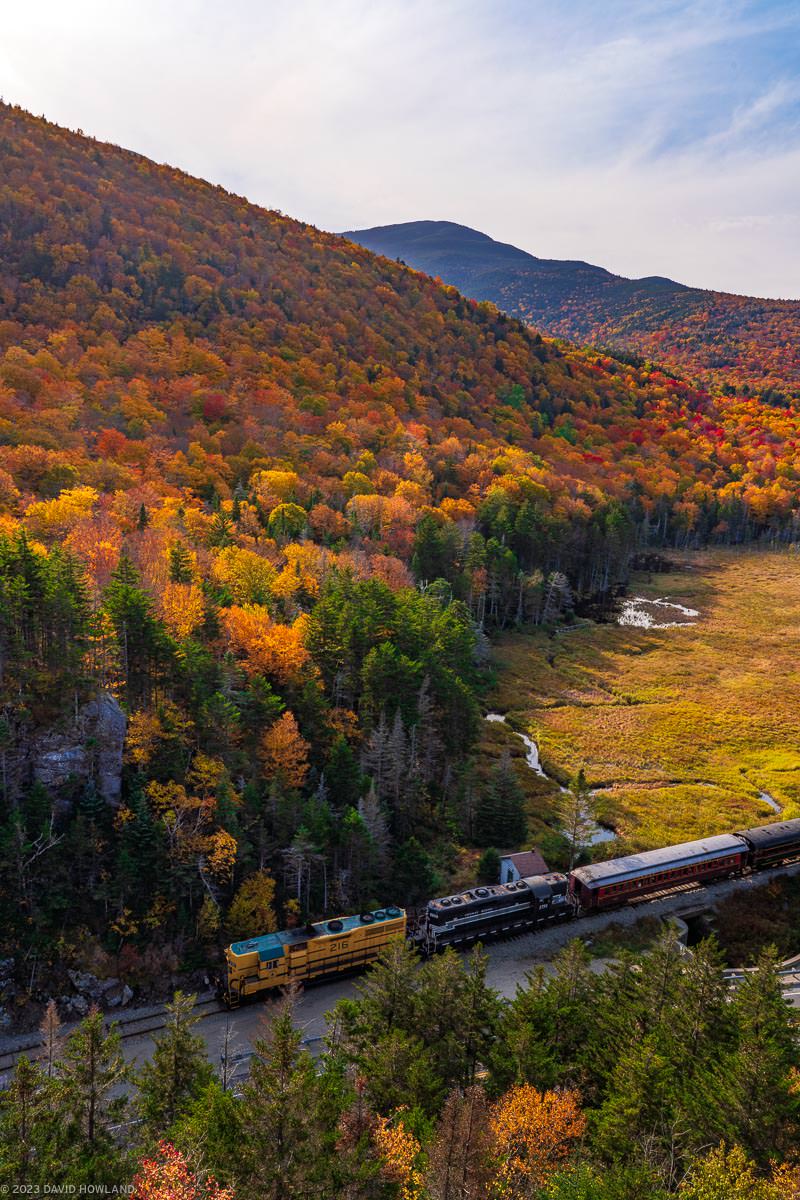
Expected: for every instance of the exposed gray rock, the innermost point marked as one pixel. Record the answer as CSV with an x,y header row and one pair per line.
x,y
119,995
89,747
74,1005
56,763
83,981
105,993
110,725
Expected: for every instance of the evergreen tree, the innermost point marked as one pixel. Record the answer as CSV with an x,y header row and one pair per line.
x,y
750,1097
386,995
209,1131
634,1119
460,1158
357,1167
414,876
377,826
457,1015
145,651
489,866
50,1030
177,1071
280,1140
180,564
576,817
500,817
548,1029
89,1104
342,775
27,1126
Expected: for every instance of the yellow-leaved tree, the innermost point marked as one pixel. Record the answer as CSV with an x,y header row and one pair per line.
x,y
728,1174
251,912
399,1150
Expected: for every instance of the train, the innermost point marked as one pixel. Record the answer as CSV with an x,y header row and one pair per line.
x,y
483,913
306,953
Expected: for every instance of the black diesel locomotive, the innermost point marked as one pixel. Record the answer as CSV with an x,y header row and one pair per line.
x,y
542,900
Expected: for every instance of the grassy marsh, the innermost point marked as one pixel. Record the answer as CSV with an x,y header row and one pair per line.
x,y
680,729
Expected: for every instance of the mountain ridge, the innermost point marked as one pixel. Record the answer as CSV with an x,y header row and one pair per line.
x,y
721,338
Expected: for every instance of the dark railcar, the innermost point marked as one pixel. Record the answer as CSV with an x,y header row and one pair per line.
x,y
496,911
772,844
614,882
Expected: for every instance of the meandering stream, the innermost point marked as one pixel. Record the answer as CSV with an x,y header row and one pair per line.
x,y
596,833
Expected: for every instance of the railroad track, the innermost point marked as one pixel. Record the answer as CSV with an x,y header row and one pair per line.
x,y
207,1005
127,1027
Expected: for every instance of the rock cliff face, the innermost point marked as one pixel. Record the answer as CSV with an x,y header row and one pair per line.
x,y
89,747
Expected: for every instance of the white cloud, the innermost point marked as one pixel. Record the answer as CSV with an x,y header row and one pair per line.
x,y
651,137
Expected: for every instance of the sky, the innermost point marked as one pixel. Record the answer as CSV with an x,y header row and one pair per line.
x,y
651,138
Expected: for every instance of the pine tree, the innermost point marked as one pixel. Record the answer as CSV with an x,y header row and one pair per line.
x,y
414,876
50,1030
387,995
456,1014
489,866
635,1115
375,757
500,817
357,1166
397,762
576,817
377,826
177,1070
89,1104
209,1131
27,1129
180,564
279,1140
145,651
750,1099
342,775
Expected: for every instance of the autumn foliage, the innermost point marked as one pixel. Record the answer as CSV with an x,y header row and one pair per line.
x,y
534,1134
168,1176
267,493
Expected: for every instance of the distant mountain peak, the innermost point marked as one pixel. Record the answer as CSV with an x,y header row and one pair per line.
x,y
434,240
710,335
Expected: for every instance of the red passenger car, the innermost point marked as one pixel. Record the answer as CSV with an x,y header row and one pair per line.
x,y
610,884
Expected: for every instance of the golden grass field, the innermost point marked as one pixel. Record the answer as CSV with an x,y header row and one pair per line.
x,y
680,729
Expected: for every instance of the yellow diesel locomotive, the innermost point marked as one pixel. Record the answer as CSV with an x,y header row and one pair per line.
x,y
309,952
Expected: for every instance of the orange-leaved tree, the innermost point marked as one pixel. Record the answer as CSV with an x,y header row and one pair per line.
x,y
168,1176
284,752
534,1134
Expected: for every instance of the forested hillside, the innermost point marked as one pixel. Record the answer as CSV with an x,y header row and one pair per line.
x,y
263,495
736,344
